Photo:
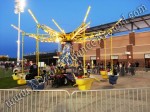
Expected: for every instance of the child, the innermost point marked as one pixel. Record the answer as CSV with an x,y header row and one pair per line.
x,y
44,76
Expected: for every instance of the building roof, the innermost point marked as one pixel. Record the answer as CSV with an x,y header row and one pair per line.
x,y
137,23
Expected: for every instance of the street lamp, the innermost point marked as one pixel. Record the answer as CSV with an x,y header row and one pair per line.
x,y
19,7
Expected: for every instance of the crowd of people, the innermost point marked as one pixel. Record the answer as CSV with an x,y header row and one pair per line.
x,y
123,68
7,65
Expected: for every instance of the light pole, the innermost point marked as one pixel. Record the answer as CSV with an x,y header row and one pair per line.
x,y
19,7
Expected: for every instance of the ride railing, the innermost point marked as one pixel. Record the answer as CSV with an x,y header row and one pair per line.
x,y
116,100
34,101
110,100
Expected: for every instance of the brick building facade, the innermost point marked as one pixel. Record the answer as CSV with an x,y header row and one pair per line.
x,y
131,47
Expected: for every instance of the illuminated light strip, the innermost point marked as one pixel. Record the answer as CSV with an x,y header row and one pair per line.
x,y
87,14
48,30
80,30
15,27
58,26
33,16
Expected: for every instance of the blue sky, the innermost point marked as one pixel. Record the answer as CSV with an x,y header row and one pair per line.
x,y
67,13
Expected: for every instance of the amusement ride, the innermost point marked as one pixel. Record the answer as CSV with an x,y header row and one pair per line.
x,y
79,35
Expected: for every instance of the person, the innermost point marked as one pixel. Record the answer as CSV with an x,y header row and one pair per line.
x,y
33,68
109,65
113,78
52,67
121,69
136,64
33,71
12,66
132,69
36,84
129,68
59,78
6,66
98,68
80,71
45,76
88,69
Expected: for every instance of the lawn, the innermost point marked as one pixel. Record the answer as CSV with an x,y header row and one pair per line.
x,y
7,83
5,73
6,80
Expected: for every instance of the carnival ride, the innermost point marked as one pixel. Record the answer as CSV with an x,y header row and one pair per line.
x,y
79,35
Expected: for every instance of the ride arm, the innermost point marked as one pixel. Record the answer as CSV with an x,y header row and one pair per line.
x,y
79,30
41,37
49,30
100,34
58,26
15,27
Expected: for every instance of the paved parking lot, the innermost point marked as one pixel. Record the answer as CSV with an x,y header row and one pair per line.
x,y
140,79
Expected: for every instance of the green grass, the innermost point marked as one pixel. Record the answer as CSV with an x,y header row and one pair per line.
x,y
4,73
7,83
6,80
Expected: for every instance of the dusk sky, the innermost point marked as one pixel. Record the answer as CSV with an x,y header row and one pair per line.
x,y
67,13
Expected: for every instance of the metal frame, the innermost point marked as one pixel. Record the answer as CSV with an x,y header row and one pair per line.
x,y
114,100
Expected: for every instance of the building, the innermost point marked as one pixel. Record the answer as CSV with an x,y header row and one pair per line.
x,y
4,57
130,47
48,58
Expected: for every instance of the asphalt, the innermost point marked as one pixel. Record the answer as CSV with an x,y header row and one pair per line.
x,y
139,80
